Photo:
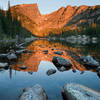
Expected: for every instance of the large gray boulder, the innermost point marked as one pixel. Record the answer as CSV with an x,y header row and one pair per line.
x,y
34,93
89,61
59,62
79,92
3,65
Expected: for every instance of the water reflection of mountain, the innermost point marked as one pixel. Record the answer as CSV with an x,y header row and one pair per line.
x,y
44,51
85,49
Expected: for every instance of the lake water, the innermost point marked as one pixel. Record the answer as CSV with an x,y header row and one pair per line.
x,y
14,80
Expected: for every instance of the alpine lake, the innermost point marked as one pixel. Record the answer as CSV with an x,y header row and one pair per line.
x,y
39,60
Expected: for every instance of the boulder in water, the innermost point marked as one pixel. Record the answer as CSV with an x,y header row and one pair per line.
x,y
79,92
89,61
34,93
59,62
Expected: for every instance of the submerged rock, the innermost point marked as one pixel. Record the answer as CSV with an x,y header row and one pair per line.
x,y
58,52
34,93
12,56
59,62
3,65
89,61
51,71
79,92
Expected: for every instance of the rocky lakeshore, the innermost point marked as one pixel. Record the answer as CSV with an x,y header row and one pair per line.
x,y
13,50
70,91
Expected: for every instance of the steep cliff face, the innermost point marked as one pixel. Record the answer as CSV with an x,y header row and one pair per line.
x,y
28,14
42,25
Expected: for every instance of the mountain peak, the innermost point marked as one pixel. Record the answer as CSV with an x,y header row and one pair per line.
x,y
27,9
39,24
69,6
26,5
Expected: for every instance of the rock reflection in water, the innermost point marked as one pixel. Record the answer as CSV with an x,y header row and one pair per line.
x,y
43,50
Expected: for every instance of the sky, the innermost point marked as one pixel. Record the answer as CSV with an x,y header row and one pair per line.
x,y
47,6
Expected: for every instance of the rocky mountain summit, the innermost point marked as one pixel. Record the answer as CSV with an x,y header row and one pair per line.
x,y
64,18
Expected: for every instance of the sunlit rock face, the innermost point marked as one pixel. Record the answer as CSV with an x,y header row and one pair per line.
x,y
64,18
39,47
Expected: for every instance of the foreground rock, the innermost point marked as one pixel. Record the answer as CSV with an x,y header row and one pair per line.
x,y
89,61
59,62
3,65
79,92
51,71
58,52
34,93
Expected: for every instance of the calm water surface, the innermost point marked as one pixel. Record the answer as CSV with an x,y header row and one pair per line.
x,y
14,80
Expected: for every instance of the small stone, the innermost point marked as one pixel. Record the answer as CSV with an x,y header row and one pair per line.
x,y
51,71
54,45
12,56
3,55
21,51
23,67
62,69
74,71
45,51
58,52
3,65
52,49
30,73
